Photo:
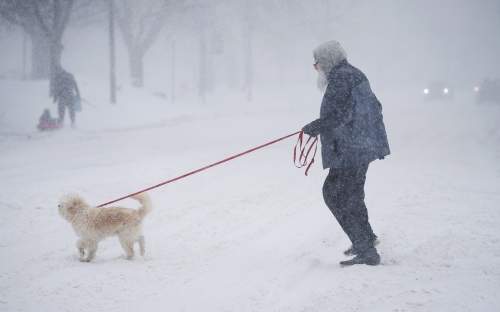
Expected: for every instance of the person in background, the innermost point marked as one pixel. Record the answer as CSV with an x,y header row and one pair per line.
x,y
352,134
66,94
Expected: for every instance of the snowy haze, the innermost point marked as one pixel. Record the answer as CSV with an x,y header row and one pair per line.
x,y
254,234
392,41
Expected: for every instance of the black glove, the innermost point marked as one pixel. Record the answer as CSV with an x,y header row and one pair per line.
x,y
313,129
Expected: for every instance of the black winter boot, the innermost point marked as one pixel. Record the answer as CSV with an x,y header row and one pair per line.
x,y
369,257
351,251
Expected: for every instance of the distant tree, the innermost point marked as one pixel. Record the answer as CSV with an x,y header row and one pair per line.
x,y
5,26
44,21
202,13
208,28
140,23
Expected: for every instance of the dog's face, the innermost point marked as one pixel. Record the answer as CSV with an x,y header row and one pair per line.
x,y
69,206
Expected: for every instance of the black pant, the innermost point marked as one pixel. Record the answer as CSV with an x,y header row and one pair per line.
x,y
344,194
61,105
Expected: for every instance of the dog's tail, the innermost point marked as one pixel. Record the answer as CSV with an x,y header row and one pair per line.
x,y
145,201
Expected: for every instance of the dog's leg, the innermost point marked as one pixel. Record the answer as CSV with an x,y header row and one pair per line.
x,y
80,244
142,244
127,245
92,249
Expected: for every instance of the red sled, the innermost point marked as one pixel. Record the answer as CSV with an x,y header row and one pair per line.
x,y
47,123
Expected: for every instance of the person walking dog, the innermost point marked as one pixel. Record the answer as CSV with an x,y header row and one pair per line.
x,y
352,134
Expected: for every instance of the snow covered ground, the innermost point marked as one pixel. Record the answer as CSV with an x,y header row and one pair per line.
x,y
253,234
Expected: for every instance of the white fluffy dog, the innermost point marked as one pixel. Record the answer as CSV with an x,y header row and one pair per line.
x,y
93,224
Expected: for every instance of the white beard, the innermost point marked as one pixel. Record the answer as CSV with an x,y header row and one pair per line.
x,y
322,81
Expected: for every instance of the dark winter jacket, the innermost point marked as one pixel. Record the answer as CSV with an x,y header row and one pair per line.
x,y
350,126
65,89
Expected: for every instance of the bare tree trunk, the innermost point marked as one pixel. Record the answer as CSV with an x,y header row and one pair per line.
x,y
136,67
25,49
140,29
40,56
45,22
55,54
55,62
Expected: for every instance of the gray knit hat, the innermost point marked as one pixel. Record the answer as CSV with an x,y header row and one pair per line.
x,y
328,55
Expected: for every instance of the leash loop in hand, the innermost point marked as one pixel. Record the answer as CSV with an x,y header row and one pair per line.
x,y
305,150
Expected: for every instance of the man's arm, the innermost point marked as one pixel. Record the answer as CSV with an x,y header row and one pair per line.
x,y
338,110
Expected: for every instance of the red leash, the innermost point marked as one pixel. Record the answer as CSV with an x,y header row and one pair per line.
x,y
304,161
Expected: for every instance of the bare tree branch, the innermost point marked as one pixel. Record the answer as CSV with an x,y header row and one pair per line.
x,y
153,33
140,27
63,20
18,13
45,21
39,17
124,17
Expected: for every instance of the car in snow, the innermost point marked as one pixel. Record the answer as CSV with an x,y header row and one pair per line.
x,y
438,90
488,91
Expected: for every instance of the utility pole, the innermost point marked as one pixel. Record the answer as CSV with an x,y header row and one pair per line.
x,y
25,43
112,67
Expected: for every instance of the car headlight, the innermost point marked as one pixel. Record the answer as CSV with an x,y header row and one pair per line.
x,y
476,89
446,91
426,91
